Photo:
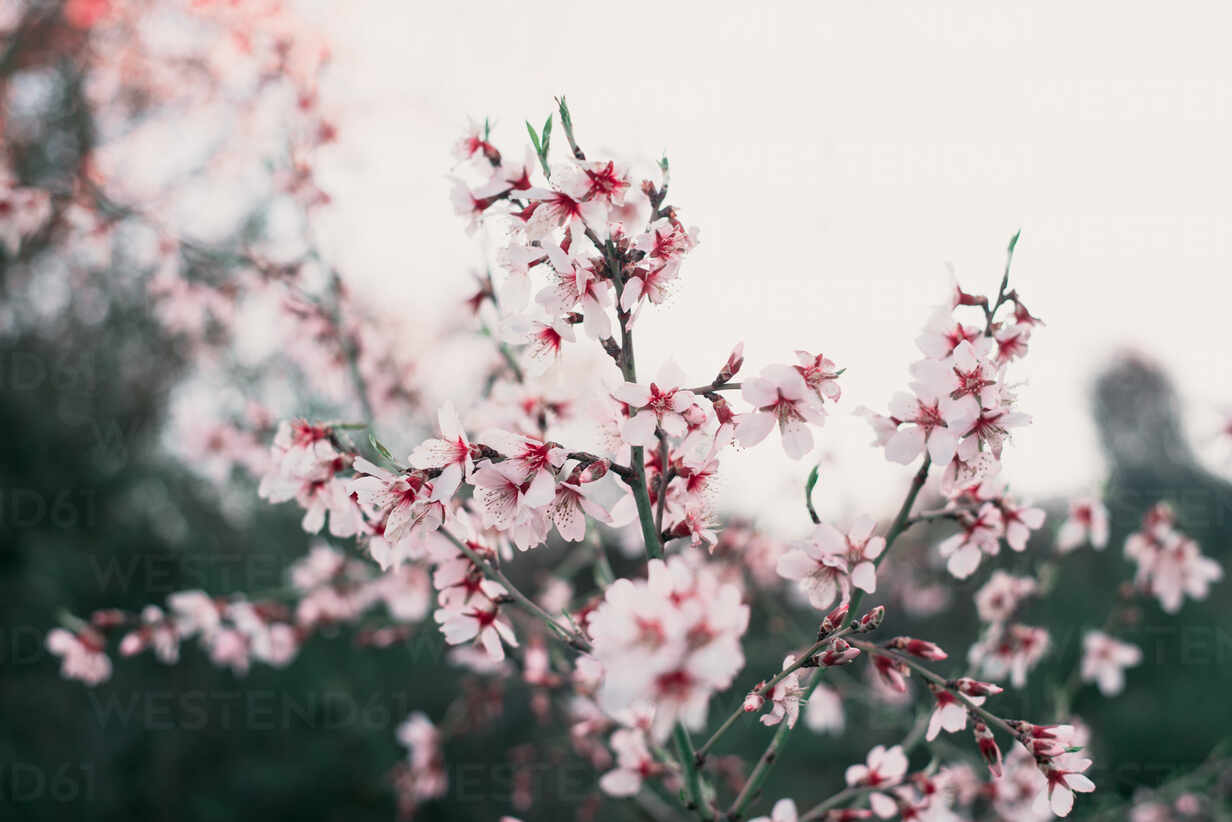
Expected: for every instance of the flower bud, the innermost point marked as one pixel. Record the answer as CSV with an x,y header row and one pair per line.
x,y
917,647
108,618
871,621
892,672
973,687
988,748
732,366
832,621
754,701
722,411
839,653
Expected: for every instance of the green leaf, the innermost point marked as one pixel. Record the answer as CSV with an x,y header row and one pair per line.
x,y
1014,240
534,138
380,449
547,137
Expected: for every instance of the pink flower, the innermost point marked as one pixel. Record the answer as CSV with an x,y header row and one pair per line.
x,y
884,768
1019,522
785,697
1000,596
1170,564
573,503
824,711
450,453
1065,777
1104,660
405,504
661,404
634,763
819,375
556,209
478,618
671,640
832,562
1009,651
1088,522
81,655
928,420
783,811
981,535
780,395
943,334
949,714
509,495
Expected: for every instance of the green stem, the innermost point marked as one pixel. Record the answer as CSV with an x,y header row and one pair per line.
x,y
767,760
902,521
684,752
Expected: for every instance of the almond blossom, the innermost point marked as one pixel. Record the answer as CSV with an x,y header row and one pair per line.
x,y
780,395
981,534
783,811
634,763
884,768
1104,660
659,405
81,655
928,421
1087,523
670,640
1011,651
1170,564
450,454
831,562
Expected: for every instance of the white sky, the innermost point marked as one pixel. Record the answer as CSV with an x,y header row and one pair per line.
x,y
836,157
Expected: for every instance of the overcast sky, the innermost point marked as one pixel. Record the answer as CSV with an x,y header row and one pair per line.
x,y
837,158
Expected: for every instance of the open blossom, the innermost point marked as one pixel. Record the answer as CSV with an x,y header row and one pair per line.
x,y
824,712
928,421
573,503
1000,596
785,697
405,504
1064,775
423,776
780,395
634,763
819,374
663,246
1087,523
81,655
830,562
478,617
1011,651
450,453
515,500
1104,660
949,714
884,768
980,534
783,811
1170,564
670,640
661,404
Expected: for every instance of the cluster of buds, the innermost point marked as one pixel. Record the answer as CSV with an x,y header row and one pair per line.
x,y
840,652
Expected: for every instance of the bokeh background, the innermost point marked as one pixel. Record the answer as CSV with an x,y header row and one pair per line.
x,y
842,162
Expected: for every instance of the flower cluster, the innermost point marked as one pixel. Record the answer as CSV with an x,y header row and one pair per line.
x,y
1170,564
671,641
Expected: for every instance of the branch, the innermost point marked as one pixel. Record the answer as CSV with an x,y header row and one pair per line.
x,y
574,639
901,523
